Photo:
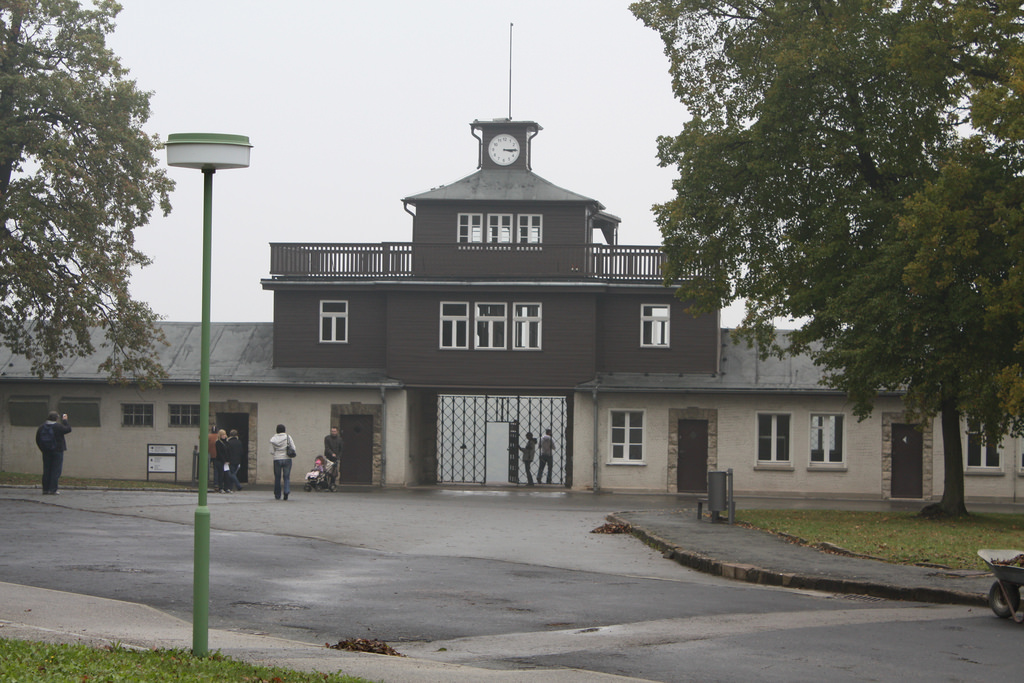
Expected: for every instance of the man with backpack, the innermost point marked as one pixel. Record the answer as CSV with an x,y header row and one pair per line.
x,y
51,443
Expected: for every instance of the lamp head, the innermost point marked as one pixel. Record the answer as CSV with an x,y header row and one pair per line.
x,y
208,151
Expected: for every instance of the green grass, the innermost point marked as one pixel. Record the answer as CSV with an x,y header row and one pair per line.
x,y
30,661
899,537
21,479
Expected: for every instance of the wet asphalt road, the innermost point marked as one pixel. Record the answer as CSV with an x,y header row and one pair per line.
x,y
496,580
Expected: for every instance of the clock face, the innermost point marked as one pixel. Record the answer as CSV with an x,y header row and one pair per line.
x,y
503,149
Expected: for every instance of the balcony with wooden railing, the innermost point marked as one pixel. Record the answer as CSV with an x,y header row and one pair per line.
x,y
406,260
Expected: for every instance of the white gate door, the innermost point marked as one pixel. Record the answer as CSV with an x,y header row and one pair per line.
x,y
497,453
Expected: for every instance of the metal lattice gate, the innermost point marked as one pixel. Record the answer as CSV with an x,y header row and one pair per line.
x,y
462,448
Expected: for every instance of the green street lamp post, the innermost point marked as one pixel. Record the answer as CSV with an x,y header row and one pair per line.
x,y
207,152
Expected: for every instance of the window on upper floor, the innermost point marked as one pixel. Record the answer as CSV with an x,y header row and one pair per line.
x,y
454,325
826,439
528,229
526,324
654,325
136,414
471,227
772,439
499,227
490,326
627,436
333,322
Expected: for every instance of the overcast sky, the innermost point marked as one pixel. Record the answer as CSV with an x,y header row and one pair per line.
x,y
351,106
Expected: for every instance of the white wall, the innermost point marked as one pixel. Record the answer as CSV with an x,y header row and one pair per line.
x,y
862,475
114,451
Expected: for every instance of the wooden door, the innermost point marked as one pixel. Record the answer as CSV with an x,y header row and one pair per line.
x,y
240,423
357,453
692,462
907,462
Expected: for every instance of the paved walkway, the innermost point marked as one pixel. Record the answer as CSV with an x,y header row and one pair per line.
x,y
717,548
748,555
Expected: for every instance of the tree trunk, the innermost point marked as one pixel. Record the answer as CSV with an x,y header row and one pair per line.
x,y
952,503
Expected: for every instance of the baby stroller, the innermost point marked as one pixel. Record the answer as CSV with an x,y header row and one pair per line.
x,y
321,477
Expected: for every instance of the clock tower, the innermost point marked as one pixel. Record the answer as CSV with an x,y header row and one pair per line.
x,y
504,143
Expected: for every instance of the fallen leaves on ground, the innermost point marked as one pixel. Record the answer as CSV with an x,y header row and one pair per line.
x,y
378,647
613,528
1017,561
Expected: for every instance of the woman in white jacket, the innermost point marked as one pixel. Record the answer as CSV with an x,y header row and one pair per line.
x,y
279,444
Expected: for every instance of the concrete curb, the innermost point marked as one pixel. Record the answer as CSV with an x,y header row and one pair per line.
x,y
768,577
128,489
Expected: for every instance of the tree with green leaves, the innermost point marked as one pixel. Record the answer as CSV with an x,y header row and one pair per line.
x,y
855,165
77,176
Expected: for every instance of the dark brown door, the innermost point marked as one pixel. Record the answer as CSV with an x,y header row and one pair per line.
x,y
240,423
692,465
907,462
357,453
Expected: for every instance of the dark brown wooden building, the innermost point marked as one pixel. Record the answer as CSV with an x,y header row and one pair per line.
x,y
511,287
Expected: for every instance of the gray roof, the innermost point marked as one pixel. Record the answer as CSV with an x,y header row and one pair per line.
x,y
240,353
502,184
741,372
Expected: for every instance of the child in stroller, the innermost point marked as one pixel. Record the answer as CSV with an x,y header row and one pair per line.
x,y
321,478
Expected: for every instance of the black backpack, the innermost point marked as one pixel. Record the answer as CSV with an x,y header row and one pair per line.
x,y
46,438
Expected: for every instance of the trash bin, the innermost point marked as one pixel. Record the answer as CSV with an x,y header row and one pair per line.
x,y
717,496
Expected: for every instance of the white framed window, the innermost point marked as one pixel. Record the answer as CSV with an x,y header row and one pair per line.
x,y
490,326
528,228
627,435
526,325
333,322
981,454
183,414
471,227
654,325
136,414
454,325
773,438
499,227
826,439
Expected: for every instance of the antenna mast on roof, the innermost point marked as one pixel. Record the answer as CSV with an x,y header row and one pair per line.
x,y
510,71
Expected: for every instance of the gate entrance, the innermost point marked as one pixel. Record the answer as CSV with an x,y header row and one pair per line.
x,y
478,437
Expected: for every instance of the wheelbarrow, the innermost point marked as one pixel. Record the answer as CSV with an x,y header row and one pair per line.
x,y
1004,595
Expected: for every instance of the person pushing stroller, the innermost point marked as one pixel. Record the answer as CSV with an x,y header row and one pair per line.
x,y
333,445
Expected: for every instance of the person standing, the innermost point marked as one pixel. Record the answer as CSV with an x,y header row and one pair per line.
x,y
51,443
213,438
280,443
547,448
333,445
528,451
220,464
236,452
